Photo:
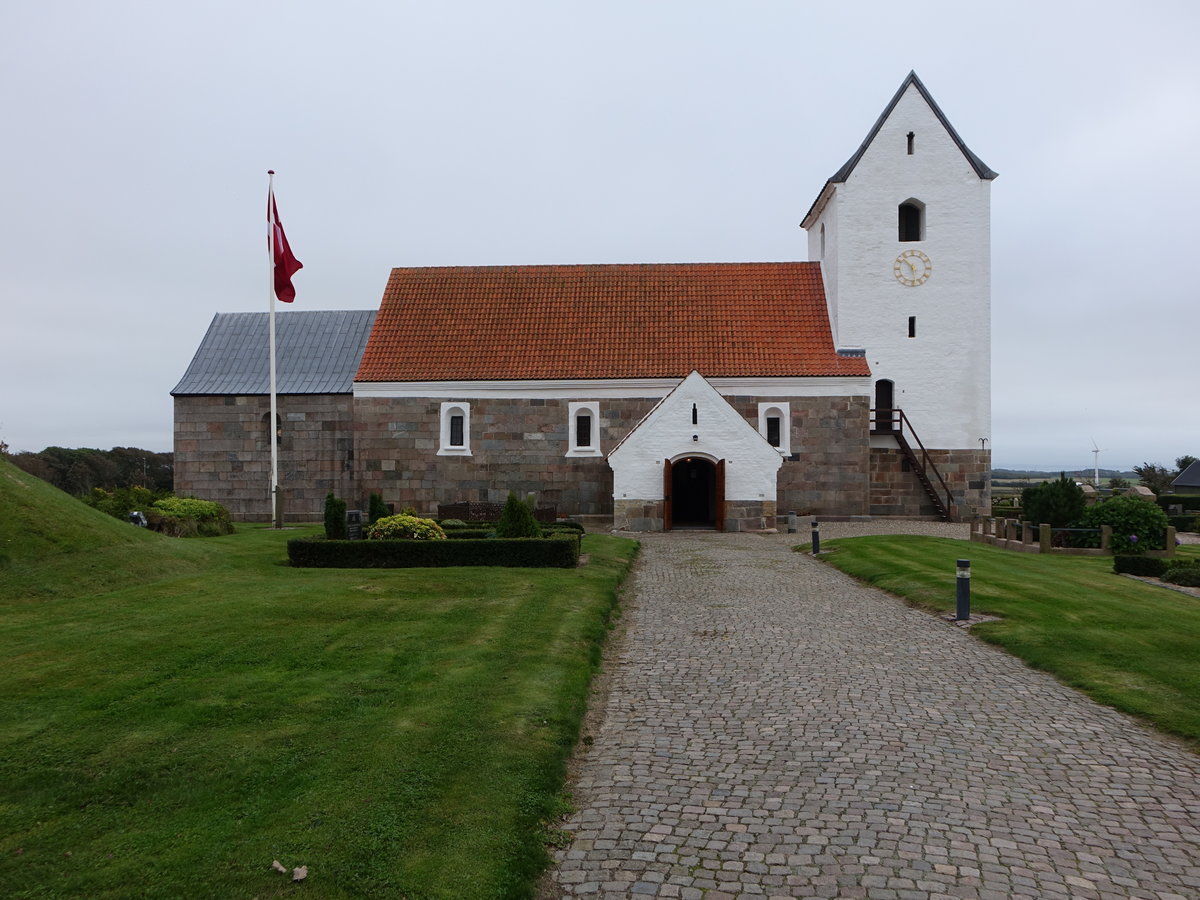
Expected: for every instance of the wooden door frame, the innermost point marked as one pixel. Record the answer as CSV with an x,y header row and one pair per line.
x,y
719,512
667,486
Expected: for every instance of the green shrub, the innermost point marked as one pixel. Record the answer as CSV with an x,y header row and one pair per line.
x,y
335,518
1056,503
376,509
559,551
469,534
516,520
392,528
453,523
189,517
1185,572
1137,525
121,502
1145,566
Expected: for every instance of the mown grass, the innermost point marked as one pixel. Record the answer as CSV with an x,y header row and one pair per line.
x,y
1130,645
170,729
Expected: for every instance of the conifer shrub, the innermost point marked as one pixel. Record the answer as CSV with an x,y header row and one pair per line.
x,y
335,518
1056,503
516,520
376,509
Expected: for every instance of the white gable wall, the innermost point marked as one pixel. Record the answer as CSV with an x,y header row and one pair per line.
x,y
942,376
720,432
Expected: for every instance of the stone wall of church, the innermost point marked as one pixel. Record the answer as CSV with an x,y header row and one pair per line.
x,y
828,471
222,452
895,490
516,445
520,445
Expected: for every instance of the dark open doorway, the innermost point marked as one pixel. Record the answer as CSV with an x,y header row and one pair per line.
x,y
694,493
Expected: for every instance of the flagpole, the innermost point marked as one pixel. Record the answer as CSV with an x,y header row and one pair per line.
x,y
273,430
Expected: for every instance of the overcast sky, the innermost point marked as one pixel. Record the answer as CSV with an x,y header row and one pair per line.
x,y
136,139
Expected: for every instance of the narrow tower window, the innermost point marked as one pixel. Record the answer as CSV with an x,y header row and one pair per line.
x,y
695,415
910,143
912,326
911,218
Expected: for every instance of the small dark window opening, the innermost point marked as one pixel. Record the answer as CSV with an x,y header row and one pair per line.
x,y
912,326
456,431
695,415
773,430
910,222
910,143
583,431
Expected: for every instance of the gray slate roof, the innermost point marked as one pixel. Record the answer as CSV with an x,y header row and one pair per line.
x,y
1189,477
316,352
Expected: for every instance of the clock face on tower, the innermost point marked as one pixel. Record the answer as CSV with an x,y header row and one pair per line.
x,y
912,268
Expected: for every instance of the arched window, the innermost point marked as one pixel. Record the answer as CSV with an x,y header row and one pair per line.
x,y
911,217
264,433
583,429
455,430
774,424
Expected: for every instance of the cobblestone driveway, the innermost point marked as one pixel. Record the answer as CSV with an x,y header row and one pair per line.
x,y
775,729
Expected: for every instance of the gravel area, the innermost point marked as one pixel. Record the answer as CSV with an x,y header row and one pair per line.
x,y
771,728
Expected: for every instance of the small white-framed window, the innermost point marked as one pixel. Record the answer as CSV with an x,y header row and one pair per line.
x,y
455,429
583,428
774,424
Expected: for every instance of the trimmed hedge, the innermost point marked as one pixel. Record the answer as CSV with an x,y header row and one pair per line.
x,y
468,534
1145,566
1183,572
558,551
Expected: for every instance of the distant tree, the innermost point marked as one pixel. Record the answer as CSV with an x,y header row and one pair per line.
x,y
1154,476
1182,462
1057,503
80,471
1117,483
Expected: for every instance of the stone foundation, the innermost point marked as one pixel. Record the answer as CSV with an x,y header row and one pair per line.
x,y
895,490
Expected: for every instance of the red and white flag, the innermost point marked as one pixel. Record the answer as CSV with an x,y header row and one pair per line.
x,y
285,262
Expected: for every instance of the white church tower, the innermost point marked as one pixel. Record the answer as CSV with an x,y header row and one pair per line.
x,y
903,234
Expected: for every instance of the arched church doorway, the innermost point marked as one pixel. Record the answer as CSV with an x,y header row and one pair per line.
x,y
694,493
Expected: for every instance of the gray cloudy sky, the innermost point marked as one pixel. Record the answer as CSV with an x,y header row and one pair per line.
x,y
137,137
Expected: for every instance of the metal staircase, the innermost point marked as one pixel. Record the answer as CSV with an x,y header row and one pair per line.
x,y
895,423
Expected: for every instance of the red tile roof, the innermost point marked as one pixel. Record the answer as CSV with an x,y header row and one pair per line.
x,y
476,323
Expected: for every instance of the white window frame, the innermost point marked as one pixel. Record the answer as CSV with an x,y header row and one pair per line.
x,y
784,412
574,411
449,409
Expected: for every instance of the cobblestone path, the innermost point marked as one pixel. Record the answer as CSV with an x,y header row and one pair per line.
x,y
775,729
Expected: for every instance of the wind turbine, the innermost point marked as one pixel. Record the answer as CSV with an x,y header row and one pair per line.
x,y
1096,451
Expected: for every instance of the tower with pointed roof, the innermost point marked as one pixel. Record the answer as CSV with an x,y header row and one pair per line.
x,y
902,232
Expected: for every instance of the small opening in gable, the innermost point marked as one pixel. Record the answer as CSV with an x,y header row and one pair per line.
x,y
911,136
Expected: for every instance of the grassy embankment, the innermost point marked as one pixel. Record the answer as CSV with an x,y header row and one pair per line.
x,y
174,715
1130,645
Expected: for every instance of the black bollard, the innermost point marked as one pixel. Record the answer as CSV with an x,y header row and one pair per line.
x,y
963,610
816,540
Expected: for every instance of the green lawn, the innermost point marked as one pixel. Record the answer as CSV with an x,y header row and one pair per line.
x,y
1133,646
400,732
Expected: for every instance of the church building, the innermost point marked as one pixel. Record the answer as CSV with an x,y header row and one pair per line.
x,y
713,395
